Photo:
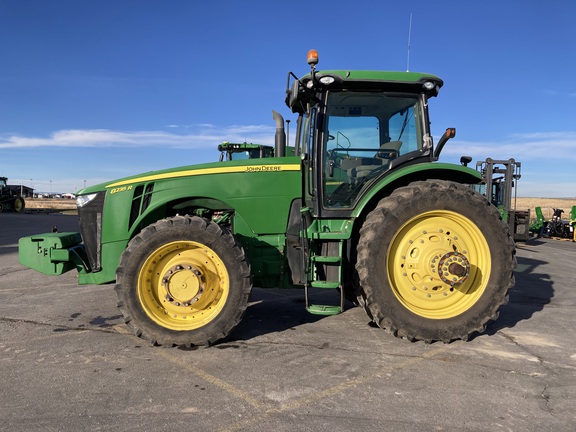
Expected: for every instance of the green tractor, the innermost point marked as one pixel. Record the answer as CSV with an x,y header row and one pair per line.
x,y
359,206
9,201
232,151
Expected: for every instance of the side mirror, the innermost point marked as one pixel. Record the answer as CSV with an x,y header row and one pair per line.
x,y
293,97
450,133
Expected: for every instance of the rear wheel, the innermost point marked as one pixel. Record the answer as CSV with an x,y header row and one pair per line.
x,y
19,205
435,262
183,281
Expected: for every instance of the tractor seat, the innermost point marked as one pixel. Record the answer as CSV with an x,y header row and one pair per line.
x,y
358,168
389,150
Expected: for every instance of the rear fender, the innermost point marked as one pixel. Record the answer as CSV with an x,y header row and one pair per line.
x,y
411,173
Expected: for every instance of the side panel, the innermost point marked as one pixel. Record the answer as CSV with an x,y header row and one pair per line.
x,y
266,253
111,253
260,193
259,196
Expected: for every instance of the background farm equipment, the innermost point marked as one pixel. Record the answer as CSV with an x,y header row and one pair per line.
x,y
558,227
499,177
537,225
9,201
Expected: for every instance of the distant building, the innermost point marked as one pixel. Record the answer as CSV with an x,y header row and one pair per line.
x,y
24,191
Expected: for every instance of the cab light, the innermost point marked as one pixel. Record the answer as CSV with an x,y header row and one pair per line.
x,y
327,80
429,85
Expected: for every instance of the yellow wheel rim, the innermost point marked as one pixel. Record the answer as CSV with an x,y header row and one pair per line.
x,y
183,285
18,205
439,264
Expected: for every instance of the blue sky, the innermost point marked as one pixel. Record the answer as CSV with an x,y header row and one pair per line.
x,y
93,90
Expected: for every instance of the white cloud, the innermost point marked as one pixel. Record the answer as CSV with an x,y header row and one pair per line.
x,y
199,136
532,146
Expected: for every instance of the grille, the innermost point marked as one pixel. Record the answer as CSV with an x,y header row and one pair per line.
x,y
90,217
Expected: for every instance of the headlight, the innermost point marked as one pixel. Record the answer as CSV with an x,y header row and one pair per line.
x,y
82,200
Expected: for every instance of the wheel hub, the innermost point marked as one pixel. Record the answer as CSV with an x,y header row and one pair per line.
x,y
431,263
184,284
454,268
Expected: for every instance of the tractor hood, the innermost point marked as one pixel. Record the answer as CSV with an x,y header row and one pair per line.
x,y
239,166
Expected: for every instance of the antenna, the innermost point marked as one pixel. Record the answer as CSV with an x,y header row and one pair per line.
x,y
408,53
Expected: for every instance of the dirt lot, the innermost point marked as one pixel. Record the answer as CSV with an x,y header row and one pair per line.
x,y
50,203
68,362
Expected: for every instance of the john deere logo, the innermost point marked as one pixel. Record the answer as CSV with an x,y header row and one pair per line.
x,y
265,168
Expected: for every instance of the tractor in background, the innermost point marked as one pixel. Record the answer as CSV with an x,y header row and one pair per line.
x,y
232,151
499,178
9,201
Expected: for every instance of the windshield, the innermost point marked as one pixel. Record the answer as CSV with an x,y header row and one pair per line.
x,y
363,132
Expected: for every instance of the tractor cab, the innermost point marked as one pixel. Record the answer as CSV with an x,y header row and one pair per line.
x,y
356,126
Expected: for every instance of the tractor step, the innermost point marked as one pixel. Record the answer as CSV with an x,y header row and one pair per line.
x,y
324,310
325,284
330,235
324,267
327,259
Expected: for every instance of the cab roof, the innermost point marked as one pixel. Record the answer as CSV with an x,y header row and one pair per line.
x,y
386,80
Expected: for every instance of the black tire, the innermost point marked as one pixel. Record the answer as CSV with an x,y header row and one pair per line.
x,y
183,281
435,262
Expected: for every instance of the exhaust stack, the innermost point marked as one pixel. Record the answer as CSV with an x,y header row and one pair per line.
x,y
280,137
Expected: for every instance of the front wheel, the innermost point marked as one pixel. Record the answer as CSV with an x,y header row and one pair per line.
x,y
183,281
435,262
